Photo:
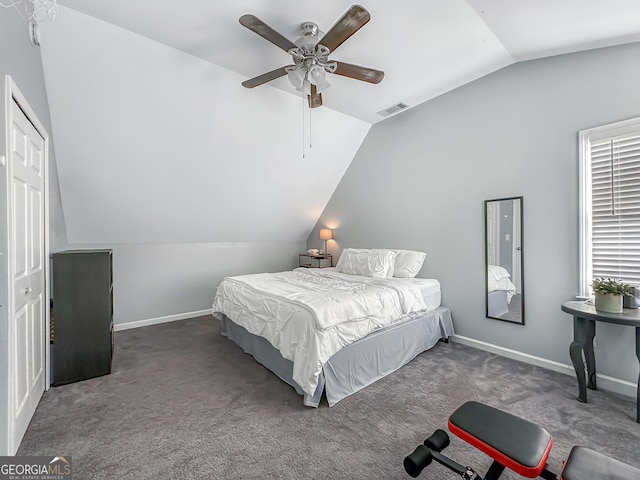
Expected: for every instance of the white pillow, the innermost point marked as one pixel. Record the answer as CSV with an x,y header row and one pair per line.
x,y
497,272
351,251
368,263
408,263
344,256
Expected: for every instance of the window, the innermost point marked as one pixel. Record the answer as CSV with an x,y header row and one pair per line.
x,y
610,203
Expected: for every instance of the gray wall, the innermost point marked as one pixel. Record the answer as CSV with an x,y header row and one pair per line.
x,y
151,281
20,59
420,178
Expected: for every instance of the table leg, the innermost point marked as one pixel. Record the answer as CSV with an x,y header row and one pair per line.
x,y
638,391
589,356
575,352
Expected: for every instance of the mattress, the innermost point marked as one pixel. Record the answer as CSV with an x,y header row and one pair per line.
x,y
430,291
271,306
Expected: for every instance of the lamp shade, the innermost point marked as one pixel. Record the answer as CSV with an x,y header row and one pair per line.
x,y
326,234
318,77
296,77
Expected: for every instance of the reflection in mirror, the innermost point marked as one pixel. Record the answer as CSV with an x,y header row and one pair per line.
x,y
504,279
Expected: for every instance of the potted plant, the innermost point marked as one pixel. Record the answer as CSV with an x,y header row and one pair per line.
x,y
608,294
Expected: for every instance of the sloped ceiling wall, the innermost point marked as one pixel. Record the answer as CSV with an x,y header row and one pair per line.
x,y
157,146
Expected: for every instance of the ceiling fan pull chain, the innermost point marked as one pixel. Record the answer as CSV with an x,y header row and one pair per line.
x,y
310,146
303,126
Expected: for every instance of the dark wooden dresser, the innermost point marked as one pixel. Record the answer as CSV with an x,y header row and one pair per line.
x,y
82,314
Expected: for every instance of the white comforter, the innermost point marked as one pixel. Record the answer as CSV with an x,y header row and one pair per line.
x,y
499,279
310,314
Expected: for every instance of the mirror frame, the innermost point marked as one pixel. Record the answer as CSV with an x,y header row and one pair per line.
x,y
486,259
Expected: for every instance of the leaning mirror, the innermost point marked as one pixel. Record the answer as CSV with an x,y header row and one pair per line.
x,y
504,279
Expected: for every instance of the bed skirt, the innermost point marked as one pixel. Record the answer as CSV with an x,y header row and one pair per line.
x,y
354,366
497,303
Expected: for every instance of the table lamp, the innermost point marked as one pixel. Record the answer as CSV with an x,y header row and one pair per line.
x,y
326,234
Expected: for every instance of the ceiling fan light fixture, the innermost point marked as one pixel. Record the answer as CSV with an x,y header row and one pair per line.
x,y
297,77
318,77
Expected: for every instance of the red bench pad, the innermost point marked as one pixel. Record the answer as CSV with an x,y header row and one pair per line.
x,y
513,442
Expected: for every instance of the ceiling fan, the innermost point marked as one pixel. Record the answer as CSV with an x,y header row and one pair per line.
x,y
310,54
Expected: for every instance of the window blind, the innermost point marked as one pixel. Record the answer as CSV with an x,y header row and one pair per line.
x,y
615,206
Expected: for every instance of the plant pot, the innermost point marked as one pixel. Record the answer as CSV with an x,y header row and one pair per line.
x,y
608,303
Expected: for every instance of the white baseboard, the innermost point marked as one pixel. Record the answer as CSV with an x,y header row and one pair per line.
x,y
154,321
604,382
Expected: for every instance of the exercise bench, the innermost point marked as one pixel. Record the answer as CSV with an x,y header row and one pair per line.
x,y
512,443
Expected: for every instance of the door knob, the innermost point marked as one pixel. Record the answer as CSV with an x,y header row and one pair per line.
x,y
27,290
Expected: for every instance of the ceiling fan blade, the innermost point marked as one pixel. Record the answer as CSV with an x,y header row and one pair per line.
x,y
265,77
359,73
265,31
352,21
315,99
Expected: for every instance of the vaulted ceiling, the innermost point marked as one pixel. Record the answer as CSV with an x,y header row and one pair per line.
x,y
425,47
157,141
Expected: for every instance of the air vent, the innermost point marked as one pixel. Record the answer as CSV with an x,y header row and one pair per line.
x,y
392,110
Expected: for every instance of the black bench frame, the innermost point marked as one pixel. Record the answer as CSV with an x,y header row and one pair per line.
x,y
512,443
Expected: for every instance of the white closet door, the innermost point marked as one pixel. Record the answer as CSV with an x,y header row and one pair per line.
x,y
26,270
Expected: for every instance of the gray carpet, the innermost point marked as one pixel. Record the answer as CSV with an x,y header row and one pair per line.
x,y
515,310
183,402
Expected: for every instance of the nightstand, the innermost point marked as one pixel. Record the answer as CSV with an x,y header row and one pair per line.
x,y
314,261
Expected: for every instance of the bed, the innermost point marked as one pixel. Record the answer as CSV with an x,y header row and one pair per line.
x,y
500,291
335,330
